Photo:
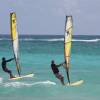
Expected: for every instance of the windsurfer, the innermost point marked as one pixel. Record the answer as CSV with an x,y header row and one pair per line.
x,y
55,70
4,67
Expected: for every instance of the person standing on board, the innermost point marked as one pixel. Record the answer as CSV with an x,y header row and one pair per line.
x,y
4,67
55,70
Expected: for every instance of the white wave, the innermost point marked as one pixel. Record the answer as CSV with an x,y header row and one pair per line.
x,y
1,80
30,39
22,84
45,82
55,39
6,39
90,40
79,40
14,84
60,39
27,39
1,39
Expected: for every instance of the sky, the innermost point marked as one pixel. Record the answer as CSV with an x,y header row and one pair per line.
x,y
48,16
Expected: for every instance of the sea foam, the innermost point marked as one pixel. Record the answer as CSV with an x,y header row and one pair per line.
x,y
23,84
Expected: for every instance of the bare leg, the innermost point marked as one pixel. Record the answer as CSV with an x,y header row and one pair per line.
x,y
11,76
62,80
60,77
10,73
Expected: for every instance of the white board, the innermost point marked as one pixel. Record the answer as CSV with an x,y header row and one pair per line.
x,y
77,83
23,76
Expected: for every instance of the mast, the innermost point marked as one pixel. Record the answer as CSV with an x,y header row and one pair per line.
x,y
14,37
67,43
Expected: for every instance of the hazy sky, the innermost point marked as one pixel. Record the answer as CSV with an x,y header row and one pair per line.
x,y
48,16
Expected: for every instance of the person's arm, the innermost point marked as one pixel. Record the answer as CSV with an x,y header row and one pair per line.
x,y
10,59
62,64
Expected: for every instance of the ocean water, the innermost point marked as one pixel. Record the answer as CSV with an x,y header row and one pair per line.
x,y
36,53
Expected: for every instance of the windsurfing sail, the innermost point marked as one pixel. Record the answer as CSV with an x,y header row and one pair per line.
x,y
14,37
67,43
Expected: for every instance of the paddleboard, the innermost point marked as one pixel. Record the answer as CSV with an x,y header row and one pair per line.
x,y
77,83
23,76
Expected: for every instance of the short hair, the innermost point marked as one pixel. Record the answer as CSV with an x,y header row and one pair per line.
x,y
52,61
3,58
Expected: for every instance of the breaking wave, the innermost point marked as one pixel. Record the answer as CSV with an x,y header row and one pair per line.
x,y
1,80
90,40
53,39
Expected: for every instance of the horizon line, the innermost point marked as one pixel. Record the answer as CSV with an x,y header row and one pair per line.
x,y
58,34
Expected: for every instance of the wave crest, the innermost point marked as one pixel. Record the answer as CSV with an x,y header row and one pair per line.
x,y
61,39
1,80
53,39
90,40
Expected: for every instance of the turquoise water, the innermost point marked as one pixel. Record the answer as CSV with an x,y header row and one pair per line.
x,y
36,53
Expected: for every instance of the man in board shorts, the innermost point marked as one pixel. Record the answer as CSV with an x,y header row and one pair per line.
x,y
55,70
4,67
